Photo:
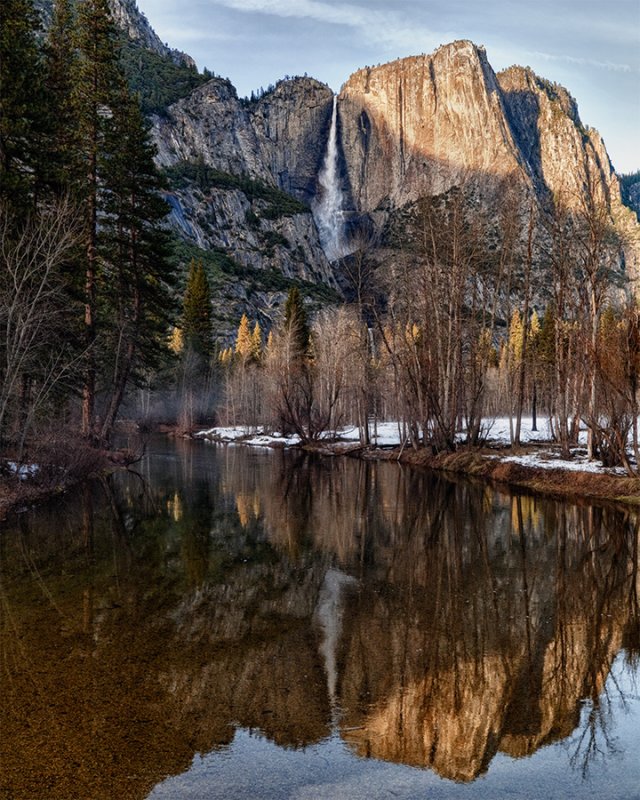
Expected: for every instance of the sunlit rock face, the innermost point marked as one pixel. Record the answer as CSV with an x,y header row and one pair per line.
x,y
414,127
420,125
566,160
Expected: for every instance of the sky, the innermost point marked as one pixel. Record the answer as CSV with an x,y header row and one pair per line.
x,y
591,47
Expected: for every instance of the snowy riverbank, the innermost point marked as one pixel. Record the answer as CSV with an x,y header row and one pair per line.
x,y
535,465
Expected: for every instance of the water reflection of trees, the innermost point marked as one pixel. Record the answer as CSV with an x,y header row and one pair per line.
x,y
508,630
145,621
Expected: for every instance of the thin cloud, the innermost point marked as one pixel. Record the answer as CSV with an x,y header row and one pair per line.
x,y
378,27
611,66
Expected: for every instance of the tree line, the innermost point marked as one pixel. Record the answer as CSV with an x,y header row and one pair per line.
x,y
520,310
86,289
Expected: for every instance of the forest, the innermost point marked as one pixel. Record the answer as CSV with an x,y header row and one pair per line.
x,y
476,314
87,290
467,323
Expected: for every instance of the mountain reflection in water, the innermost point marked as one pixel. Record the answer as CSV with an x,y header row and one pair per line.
x,y
413,619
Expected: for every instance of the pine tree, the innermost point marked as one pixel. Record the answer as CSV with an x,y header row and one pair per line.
x,y
197,335
295,321
137,282
98,85
22,107
197,328
61,62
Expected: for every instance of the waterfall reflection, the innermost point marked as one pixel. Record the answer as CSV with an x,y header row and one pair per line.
x,y
433,622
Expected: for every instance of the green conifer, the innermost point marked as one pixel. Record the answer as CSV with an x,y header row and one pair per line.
x,y
22,106
137,281
61,60
197,328
295,321
97,87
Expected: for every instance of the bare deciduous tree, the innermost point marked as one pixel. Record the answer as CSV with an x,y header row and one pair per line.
x,y
33,312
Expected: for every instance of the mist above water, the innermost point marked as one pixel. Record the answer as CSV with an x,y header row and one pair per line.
x,y
327,206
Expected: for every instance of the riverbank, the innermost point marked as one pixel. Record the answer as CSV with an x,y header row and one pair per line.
x,y
536,466
552,481
52,469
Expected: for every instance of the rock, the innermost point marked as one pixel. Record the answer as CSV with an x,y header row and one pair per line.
x,y
422,125
292,124
276,141
419,125
131,21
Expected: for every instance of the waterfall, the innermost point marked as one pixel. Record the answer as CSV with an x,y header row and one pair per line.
x,y
327,206
328,614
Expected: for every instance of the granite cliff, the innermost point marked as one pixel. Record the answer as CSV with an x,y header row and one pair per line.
x,y
417,126
261,160
244,175
132,22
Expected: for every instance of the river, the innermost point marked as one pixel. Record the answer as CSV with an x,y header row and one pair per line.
x,y
244,623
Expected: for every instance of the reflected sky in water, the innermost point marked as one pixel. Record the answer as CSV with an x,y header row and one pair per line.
x,y
252,766
234,623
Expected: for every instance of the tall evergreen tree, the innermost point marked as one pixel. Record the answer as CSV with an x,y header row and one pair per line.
x,y
64,174
295,321
197,347
98,88
70,129
136,281
197,328
22,107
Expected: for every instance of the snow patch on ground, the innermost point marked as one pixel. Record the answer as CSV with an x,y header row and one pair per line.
x,y
499,432
23,471
248,435
547,460
388,434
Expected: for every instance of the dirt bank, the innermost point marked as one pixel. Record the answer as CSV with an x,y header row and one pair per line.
x,y
489,464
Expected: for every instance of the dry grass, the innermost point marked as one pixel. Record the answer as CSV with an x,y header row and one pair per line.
x,y
551,482
488,464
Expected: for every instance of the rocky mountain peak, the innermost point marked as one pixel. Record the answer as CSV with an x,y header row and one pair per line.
x,y
133,23
415,125
524,79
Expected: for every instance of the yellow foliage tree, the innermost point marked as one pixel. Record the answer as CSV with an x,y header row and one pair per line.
x,y
256,342
516,338
244,341
176,341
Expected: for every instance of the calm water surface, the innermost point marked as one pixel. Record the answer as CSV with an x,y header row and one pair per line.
x,y
238,623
